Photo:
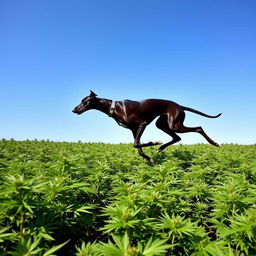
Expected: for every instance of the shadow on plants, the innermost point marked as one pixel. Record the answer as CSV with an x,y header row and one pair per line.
x,y
160,158
185,157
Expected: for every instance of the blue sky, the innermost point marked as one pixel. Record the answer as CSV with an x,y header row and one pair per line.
x,y
198,53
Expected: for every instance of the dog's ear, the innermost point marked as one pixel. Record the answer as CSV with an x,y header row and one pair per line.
x,y
93,95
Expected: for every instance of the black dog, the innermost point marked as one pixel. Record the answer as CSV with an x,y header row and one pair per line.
x,y
136,115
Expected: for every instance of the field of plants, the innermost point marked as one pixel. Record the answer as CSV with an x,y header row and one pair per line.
x,y
87,199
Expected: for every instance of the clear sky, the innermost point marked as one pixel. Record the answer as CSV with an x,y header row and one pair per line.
x,y
199,53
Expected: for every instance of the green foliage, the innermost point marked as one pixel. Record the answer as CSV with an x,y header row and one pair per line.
x,y
89,249
122,246
176,226
94,199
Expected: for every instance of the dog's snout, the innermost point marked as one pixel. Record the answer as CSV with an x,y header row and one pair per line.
x,y
75,110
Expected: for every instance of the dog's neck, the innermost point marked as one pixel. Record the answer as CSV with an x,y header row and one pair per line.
x,y
105,106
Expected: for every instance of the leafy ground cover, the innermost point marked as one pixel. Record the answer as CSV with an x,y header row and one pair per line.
x,y
88,199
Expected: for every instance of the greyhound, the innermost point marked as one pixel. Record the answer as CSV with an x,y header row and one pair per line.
x,y
136,115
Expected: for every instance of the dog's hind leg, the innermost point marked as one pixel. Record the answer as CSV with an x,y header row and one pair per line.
x,y
178,127
199,129
162,124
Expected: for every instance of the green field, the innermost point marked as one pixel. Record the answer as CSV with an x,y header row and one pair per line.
x,y
103,199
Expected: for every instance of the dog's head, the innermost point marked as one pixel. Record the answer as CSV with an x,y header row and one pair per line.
x,y
86,104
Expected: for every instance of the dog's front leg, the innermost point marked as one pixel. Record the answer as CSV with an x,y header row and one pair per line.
x,y
137,133
141,153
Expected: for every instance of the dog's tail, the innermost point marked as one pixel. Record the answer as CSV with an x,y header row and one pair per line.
x,y
200,113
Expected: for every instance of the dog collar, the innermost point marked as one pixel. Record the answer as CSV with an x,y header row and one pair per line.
x,y
112,108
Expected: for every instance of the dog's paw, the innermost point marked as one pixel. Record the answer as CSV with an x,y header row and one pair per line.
x,y
151,161
159,151
158,143
214,143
